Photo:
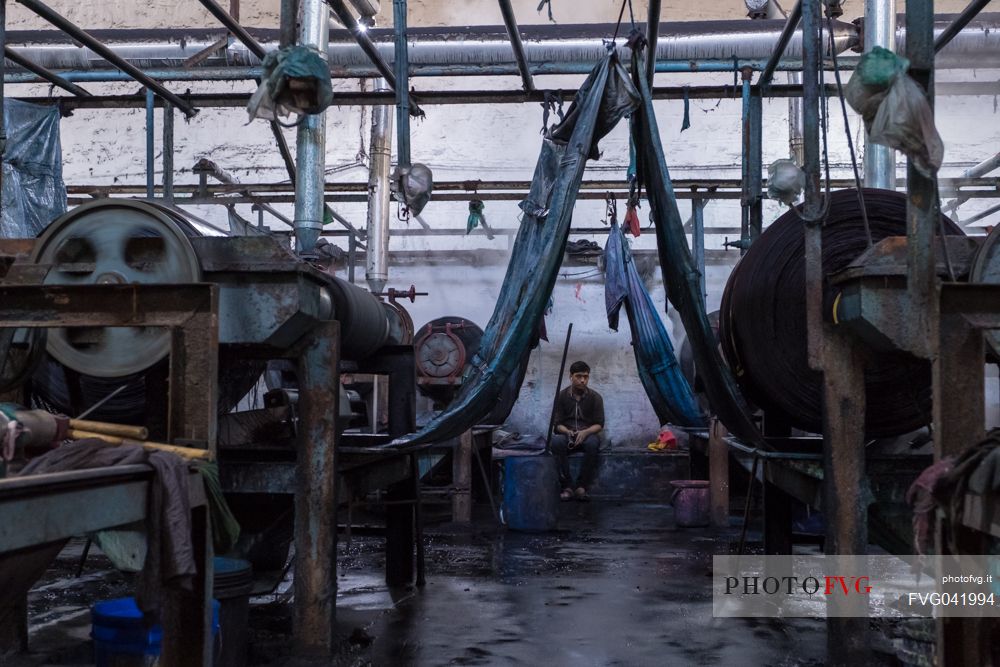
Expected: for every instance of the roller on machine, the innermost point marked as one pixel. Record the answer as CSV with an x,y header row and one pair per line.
x,y
763,320
268,298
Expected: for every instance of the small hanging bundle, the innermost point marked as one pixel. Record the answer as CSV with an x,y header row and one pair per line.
x,y
476,216
631,222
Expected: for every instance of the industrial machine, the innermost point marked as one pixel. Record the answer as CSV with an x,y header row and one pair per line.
x,y
271,305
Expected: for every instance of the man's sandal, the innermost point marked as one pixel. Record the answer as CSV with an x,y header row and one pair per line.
x,y
567,494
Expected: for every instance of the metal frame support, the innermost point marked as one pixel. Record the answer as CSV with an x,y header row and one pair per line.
x,y
963,20
923,205
515,42
779,49
233,26
402,85
168,153
752,166
310,147
3,124
880,30
345,16
150,147
832,352
71,29
698,242
316,493
652,36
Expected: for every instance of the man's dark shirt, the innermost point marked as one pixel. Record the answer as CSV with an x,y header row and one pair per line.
x,y
578,414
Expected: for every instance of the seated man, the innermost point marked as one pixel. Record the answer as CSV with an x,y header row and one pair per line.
x,y
578,418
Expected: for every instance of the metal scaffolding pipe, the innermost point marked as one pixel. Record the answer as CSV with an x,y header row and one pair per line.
x,y
345,16
880,30
517,45
963,19
791,25
652,36
44,74
45,12
773,11
377,260
233,26
403,86
311,138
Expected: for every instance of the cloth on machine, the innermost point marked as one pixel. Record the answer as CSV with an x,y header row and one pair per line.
x,y
170,554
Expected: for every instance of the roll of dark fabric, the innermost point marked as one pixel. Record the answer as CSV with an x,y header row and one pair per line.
x,y
763,320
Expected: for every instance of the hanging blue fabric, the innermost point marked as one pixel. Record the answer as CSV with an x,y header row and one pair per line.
x,y
667,388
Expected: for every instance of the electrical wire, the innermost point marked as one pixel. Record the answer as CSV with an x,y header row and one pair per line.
x,y
847,131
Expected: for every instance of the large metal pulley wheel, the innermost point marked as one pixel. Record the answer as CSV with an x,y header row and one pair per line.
x,y
986,270
115,243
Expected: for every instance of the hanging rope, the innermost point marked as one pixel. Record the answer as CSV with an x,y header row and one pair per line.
x,y
476,216
542,4
847,130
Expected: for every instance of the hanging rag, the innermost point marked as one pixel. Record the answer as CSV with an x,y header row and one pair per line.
x,y
295,79
667,388
476,216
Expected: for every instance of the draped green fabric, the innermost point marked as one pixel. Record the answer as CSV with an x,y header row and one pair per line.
x,y
680,275
604,99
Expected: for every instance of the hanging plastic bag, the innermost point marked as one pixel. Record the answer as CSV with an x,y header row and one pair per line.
x,y
785,181
895,110
905,122
296,80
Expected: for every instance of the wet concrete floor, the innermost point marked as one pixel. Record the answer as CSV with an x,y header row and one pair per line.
x,y
617,584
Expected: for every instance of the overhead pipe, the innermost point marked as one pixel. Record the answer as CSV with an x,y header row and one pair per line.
x,y
569,50
71,29
880,30
517,45
789,30
44,74
549,51
377,262
310,145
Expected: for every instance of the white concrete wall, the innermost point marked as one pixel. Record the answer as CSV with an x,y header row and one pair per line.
x,y
485,142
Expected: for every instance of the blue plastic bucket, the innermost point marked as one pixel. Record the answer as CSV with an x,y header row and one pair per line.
x,y
530,493
121,638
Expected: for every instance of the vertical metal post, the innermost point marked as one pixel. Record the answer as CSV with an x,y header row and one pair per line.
x,y
150,145
745,165
289,22
3,122
698,242
377,251
959,418
880,30
352,255
922,208
652,35
718,475
168,152
461,474
316,494
402,71
756,167
832,352
310,147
